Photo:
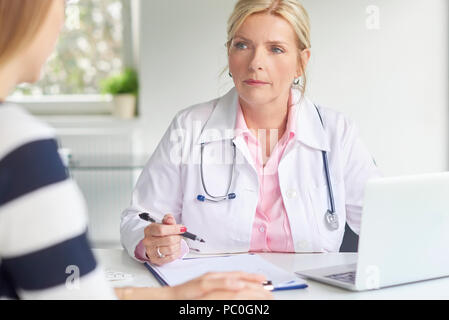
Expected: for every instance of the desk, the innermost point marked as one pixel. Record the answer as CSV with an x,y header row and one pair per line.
x,y
118,260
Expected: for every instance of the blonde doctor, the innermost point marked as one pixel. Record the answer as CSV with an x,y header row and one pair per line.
x,y
261,169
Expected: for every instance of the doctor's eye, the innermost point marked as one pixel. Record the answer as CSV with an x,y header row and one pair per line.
x,y
240,45
277,50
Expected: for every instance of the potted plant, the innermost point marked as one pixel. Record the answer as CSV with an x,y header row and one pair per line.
x,y
124,88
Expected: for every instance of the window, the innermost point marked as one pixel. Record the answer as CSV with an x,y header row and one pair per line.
x,y
92,46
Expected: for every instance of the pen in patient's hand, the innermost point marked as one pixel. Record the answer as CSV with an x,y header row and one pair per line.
x,y
146,216
268,285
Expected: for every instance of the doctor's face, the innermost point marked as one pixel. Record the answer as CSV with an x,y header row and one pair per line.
x,y
264,59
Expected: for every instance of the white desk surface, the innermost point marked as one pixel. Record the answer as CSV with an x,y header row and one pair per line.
x,y
118,260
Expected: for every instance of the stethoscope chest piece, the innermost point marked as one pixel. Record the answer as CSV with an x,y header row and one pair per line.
x,y
331,221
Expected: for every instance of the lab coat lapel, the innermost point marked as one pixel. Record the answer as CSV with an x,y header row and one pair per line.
x,y
309,129
221,126
310,134
221,123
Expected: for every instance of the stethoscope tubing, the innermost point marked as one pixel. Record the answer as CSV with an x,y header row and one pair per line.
x,y
228,195
231,196
328,182
326,172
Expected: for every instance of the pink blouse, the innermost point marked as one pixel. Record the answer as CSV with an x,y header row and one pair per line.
x,y
271,228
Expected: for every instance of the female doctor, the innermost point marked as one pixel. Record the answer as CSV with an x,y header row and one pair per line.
x,y
261,169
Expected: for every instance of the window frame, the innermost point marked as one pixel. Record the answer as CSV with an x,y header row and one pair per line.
x,y
90,104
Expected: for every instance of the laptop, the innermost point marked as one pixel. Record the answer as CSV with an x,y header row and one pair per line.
x,y
404,235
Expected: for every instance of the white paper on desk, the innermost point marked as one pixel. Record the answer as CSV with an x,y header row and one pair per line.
x,y
180,271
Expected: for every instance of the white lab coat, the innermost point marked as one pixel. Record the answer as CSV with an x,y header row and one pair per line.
x,y
170,181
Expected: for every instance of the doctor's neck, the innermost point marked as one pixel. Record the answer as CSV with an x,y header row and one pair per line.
x,y
269,116
9,79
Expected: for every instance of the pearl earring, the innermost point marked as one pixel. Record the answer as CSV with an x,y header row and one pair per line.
x,y
297,81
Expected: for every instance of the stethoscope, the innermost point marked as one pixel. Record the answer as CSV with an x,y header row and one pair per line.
x,y
330,217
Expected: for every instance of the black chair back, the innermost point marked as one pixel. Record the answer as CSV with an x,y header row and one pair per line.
x,y
350,241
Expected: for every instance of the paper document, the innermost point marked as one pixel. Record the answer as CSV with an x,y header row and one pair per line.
x,y
180,271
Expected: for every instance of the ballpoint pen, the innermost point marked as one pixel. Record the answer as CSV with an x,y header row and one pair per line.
x,y
268,285
146,216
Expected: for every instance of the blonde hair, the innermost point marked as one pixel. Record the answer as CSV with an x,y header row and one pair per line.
x,y
291,10
20,21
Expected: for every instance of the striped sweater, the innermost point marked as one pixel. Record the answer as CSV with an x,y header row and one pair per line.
x,y
44,251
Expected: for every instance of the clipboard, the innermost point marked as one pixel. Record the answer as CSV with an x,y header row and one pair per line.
x,y
169,274
161,281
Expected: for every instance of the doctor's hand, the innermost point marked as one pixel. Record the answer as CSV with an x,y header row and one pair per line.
x,y
163,241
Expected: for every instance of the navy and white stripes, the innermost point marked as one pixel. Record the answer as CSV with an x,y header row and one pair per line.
x,y
28,168
43,218
48,267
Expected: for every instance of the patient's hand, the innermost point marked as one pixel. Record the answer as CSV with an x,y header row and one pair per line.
x,y
223,286
211,286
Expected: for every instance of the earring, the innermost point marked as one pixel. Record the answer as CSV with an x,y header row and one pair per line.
x,y
230,74
297,81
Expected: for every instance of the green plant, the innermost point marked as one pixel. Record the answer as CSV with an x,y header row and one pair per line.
x,y
123,83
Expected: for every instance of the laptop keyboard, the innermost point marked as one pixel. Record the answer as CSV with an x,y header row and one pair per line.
x,y
348,277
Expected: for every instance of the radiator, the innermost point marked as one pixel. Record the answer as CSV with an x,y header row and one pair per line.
x,y
105,167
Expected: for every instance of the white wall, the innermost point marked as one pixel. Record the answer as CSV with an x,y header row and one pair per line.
x,y
392,81
182,54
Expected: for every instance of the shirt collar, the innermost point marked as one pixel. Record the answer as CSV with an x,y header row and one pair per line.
x,y
304,121
241,127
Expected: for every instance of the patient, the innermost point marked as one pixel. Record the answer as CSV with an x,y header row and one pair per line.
x,y
42,213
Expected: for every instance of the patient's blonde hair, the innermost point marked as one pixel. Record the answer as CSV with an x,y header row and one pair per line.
x,y
20,21
290,10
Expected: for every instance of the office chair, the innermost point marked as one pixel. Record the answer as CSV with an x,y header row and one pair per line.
x,y
350,241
